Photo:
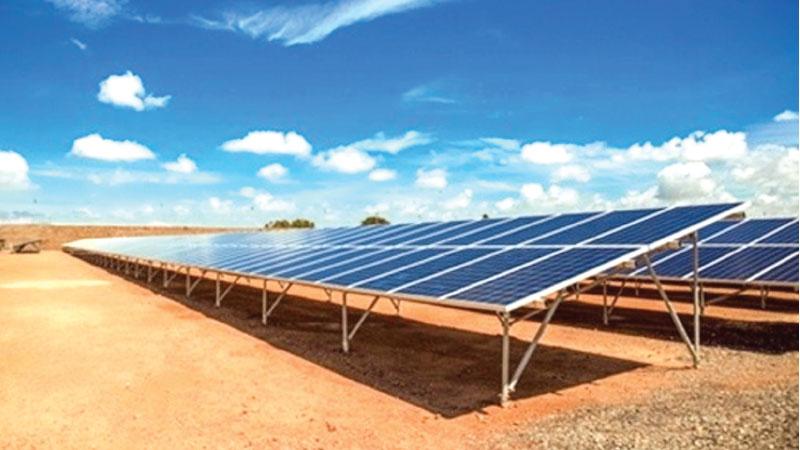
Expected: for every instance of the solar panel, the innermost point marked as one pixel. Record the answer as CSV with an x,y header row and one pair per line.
x,y
493,264
738,251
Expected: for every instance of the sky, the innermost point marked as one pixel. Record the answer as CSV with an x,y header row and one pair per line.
x,y
212,112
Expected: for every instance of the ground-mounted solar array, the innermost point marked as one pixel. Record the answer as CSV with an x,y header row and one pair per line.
x,y
494,264
757,251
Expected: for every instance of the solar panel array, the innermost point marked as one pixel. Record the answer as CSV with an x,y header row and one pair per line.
x,y
761,251
494,264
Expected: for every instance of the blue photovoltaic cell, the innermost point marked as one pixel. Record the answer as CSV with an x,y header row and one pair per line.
x,y
746,263
788,235
786,272
748,231
542,275
662,225
379,238
467,231
594,227
371,232
425,269
434,230
268,263
531,232
714,228
681,264
346,262
478,271
375,270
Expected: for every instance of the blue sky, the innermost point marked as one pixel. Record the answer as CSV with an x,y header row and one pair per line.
x,y
236,113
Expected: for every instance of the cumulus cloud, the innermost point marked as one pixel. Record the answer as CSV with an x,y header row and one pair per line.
x,y
685,181
94,146
381,143
310,22
786,116
460,201
91,13
266,202
554,196
506,204
182,165
273,172
266,142
720,145
13,171
502,143
347,160
546,153
127,91
571,172
431,179
220,206
771,173
382,175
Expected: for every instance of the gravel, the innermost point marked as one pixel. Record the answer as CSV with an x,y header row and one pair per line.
x,y
695,414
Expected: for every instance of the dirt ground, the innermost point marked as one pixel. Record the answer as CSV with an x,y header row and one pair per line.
x,y
89,359
56,235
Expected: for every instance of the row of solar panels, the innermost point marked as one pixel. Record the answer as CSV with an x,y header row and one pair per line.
x,y
497,264
750,250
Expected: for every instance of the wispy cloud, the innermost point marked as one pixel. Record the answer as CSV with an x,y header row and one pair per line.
x,y
309,23
92,13
81,45
427,93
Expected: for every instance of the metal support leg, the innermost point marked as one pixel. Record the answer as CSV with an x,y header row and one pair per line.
x,y
674,315
280,297
190,286
362,319
345,341
264,300
696,295
221,294
764,294
505,390
615,299
526,358
605,302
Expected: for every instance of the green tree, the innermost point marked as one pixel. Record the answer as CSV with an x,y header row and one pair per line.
x,y
374,220
283,224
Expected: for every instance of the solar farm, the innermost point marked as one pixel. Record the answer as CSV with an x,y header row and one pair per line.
x,y
515,268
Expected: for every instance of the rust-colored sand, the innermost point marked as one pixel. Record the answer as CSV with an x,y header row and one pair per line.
x,y
89,359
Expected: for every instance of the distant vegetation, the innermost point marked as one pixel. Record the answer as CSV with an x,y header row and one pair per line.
x,y
284,224
374,220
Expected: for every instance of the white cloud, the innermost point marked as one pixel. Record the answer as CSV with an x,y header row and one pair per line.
x,y
431,179
686,181
181,210
546,153
720,145
381,143
220,206
572,173
273,172
344,160
554,196
95,146
460,201
378,208
786,116
640,199
506,204
769,175
503,143
264,142
182,165
82,46
426,93
13,171
91,13
118,177
382,175
266,202
127,91
310,22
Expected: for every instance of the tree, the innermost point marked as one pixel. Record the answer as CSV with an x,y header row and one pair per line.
x,y
374,220
283,224
485,216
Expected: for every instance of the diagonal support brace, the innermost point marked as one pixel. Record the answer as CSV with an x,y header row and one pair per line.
x,y
220,295
265,315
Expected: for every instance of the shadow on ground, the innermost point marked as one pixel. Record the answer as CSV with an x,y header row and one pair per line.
x,y
447,371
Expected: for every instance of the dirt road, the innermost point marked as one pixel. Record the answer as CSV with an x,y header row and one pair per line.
x,y
90,360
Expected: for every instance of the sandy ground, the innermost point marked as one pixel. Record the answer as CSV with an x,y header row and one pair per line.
x,y
91,360
56,235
